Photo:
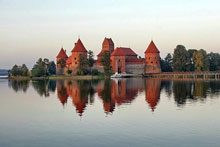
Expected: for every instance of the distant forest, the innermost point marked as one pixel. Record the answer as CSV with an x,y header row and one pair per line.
x,y
191,60
3,72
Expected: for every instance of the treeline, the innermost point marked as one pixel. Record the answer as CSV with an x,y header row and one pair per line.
x,y
190,60
43,67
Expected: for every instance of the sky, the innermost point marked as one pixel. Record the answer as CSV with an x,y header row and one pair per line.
x,y
30,29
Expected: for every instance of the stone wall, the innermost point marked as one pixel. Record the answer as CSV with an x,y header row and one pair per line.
x,y
135,68
99,68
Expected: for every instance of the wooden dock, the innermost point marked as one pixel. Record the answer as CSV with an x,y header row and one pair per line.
x,y
185,75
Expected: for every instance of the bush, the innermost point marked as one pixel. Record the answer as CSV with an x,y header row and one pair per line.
x,y
95,72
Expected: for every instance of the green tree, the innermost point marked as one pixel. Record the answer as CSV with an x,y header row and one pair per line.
x,y
166,64
62,63
51,68
190,64
214,60
106,62
201,61
83,65
39,68
180,58
24,70
90,60
14,71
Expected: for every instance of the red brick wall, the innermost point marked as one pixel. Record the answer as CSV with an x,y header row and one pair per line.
x,y
118,62
152,61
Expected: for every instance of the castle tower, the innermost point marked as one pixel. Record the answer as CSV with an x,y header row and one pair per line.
x,y
78,50
61,55
152,59
107,45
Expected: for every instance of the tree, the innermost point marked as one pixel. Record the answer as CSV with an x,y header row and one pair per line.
x,y
38,69
62,63
214,61
83,65
106,62
51,68
90,60
19,70
14,70
201,61
24,70
166,63
180,58
190,63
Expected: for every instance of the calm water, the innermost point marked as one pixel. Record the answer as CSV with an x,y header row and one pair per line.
x,y
127,112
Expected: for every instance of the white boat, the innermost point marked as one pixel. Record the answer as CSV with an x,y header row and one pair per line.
x,y
116,75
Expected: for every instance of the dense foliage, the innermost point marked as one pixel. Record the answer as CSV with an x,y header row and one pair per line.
x,y
106,62
190,60
83,65
19,70
43,68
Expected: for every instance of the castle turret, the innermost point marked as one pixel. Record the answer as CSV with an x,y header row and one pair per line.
x,y
152,59
78,50
61,56
107,45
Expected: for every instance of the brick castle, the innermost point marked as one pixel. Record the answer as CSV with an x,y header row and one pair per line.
x,y
123,59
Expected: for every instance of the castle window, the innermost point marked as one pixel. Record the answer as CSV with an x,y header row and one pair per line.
x,y
155,57
119,60
156,62
149,58
151,62
75,62
75,58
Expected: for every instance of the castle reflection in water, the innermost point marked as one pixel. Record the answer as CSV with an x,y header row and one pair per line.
x,y
114,93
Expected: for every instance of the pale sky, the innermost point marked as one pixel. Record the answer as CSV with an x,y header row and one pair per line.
x,y
30,29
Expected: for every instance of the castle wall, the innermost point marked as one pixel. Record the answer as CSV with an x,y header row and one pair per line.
x,y
98,67
152,63
135,68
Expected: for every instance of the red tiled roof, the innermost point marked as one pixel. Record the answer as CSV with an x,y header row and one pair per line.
x,y
135,61
121,51
79,47
62,54
100,53
152,48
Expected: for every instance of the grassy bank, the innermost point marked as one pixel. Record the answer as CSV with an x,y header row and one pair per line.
x,y
60,77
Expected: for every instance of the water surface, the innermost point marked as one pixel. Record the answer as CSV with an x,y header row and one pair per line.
x,y
127,112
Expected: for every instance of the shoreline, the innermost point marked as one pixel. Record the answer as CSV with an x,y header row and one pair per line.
x,y
86,77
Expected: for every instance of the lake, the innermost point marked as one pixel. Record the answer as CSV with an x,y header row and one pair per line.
x,y
106,113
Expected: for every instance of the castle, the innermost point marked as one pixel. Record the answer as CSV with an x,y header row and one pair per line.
x,y
123,59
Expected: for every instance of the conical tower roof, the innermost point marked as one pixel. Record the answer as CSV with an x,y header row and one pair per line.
x,y
152,48
79,47
62,54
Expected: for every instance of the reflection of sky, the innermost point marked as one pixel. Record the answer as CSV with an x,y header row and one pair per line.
x,y
41,26
31,120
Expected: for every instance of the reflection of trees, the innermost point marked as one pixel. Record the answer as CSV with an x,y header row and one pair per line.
x,y
167,85
44,87
106,95
19,85
182,91
194,90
